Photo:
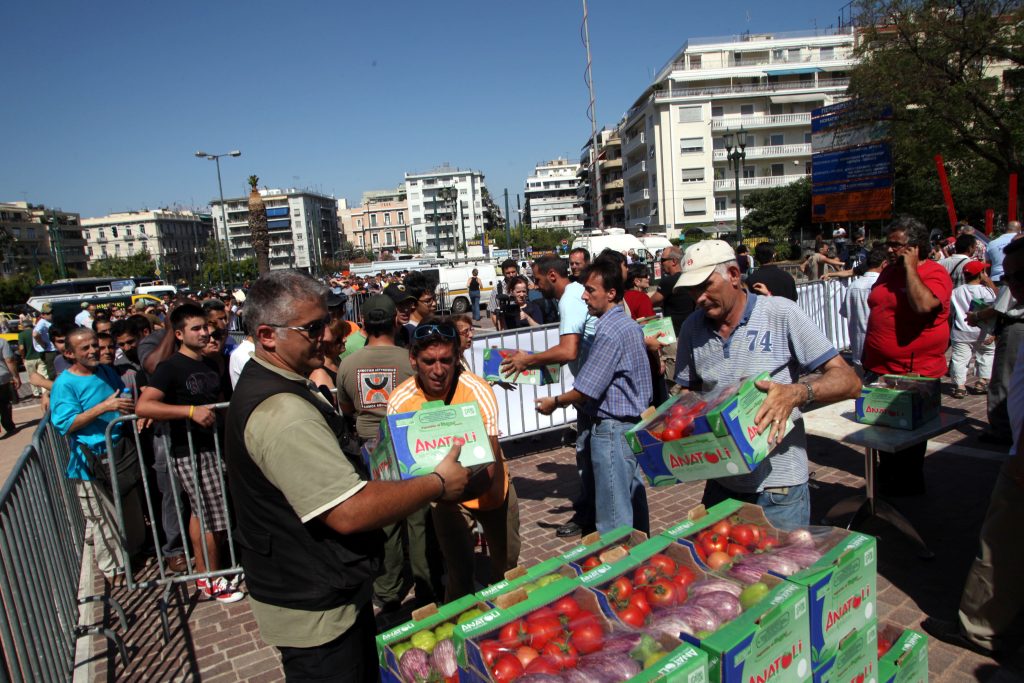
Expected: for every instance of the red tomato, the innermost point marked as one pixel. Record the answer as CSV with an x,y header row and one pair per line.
x,y
566,608
665,564
591,562
714,543
661,593
644,575
767,542
541,612
507,668
514,634
670,435
733,550
722,528
490,649
639,601
620,589
526,654
562,652
588,638
718,559
883,646
701,554
542,665
685,575
743,534
631,616
678,410
698,408
544,629
582,621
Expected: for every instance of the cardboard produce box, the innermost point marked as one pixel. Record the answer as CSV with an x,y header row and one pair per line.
x,y
412,444
590,553
546,374
694,437
655,325
900,401
906,661
856,658
529,579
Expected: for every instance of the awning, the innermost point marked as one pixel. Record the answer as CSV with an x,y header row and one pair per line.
x,y
792,72
807,97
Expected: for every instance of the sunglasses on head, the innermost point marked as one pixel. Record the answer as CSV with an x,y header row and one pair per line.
x,y
426,331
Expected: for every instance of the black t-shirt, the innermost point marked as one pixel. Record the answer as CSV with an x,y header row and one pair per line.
x,y
677,305
778,281
188,382
533,309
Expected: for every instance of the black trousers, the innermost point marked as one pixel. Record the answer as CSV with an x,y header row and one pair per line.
x,y
6,409
349,658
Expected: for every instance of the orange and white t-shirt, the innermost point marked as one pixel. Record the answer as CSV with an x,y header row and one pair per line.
x,y
408,397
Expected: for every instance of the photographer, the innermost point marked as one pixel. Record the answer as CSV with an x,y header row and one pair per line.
x,y
520,311
501,299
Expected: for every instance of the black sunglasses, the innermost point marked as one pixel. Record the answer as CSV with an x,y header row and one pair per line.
x,y
315,329
426,331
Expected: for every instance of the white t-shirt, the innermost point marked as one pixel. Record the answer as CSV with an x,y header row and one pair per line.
x,y
961,304
84,319
954,265
855,309
239,357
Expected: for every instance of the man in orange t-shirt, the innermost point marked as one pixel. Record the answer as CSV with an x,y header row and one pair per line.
x,y
434,354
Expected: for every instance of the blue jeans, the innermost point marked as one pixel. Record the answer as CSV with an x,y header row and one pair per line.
x,y
786,511
474,298
620,498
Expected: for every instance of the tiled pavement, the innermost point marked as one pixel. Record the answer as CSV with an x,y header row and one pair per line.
x,y
212,642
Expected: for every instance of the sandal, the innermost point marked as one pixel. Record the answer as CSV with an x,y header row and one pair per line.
x,y
980,387
959,392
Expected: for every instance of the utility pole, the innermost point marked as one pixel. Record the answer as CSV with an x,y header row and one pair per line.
x,y
58,247
519,220
437,227
462,222
508,223
592,114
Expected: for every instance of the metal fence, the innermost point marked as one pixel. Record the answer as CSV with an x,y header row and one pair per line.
x,y
821,301
42,532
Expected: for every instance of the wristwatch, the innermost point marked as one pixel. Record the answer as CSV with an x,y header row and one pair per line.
x,y
810,392
558,404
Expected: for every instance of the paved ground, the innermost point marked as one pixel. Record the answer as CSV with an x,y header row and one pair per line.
x,y
212,642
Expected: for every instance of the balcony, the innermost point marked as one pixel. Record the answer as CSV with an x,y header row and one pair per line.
x,y
632,142
610,164
613,185
769,152
616,205
745,89
761,183
730,214
752,122
635,169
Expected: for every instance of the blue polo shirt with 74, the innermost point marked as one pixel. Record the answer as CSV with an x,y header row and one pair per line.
x,y
616,375
773,336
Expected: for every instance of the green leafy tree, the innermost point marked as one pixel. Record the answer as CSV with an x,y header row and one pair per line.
x,y
258,227
124,266
540,240
15,290
951,71
779,211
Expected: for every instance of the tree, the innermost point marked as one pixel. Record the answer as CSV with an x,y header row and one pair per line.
x,y
779,211
540,240
951,71
124,266
212,269
258,227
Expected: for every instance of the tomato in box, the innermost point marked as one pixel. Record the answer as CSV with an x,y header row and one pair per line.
x,y
594,545
907,659
855,659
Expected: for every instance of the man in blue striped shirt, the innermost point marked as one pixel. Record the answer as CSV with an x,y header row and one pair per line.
x,y
735,334
612,388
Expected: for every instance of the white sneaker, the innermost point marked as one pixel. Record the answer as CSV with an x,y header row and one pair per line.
x,y
222,591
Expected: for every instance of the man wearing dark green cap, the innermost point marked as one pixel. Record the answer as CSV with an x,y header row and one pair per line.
x,y
365,382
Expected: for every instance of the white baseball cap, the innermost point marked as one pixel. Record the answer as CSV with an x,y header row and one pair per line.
x,y
699,261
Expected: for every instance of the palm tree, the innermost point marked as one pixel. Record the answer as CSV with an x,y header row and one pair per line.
x,y
258,227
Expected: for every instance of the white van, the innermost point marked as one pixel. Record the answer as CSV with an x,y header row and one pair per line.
x,y
613,238
157,290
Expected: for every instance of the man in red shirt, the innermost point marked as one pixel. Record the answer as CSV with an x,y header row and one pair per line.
x,y
908,333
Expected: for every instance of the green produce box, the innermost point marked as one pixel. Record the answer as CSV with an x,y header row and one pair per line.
x,y
700,518
412,444
900,401
855,660
907,659
685,664
529,578
594,546
547,374
693,438
425,620
654,325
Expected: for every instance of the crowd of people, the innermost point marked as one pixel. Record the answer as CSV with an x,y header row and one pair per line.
x,y
321,544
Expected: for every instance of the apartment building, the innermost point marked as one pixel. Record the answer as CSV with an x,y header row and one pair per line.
x,y
40,234
302,225
380,223
754,89
609,166
552,197
446,209
175,239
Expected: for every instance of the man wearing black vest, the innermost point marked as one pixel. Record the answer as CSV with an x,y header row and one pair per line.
x,y
308,519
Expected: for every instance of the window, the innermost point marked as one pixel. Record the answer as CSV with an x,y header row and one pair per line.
x,y
775,109
401,217
113,232
375,237
401,237
721,204
793,54
694,61
717,112
696,206
827,53
778,169
746,109
778,55
373,220
90,250
299,236
388,239
749,172
691,145
777,139
689,114
387,218
719,173
806,78
359,222
807,138
692,175
718,143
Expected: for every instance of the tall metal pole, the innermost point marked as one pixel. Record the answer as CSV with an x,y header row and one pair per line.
x,y
592,113
508,223
224,219
437,227
519,222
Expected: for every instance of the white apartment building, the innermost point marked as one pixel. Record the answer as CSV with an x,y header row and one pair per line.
x,y
446,209
303,228
39,234
552,196
760,88
175,239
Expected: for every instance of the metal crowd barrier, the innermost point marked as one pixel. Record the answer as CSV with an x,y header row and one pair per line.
x,y
821,301
42,533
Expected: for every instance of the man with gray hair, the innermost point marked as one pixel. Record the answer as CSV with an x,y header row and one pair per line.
x,y
308,520
736,334
994,252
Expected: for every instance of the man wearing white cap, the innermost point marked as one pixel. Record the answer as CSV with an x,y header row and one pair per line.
x,y
735,334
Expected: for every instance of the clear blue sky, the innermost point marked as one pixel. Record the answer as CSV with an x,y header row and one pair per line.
x,y
105,103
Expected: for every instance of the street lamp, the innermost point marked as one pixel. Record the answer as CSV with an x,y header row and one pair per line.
x,y
736,155
223,208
